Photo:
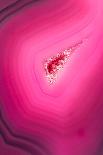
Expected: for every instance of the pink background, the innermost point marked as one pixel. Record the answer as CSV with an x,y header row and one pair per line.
x,y
65,118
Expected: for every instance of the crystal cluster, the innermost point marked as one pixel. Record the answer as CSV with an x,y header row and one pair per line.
x,y
55,64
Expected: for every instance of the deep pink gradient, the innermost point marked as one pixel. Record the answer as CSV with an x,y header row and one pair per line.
x,y
67,115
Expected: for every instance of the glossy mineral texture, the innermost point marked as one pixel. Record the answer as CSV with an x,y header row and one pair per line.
x,y
51,77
